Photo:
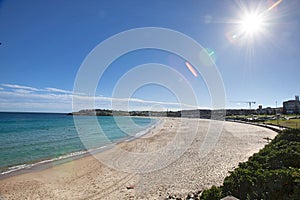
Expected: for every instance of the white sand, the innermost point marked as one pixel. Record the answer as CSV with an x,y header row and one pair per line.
x,y
87,178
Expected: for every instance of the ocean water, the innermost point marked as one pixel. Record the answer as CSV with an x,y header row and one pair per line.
x,y
27,139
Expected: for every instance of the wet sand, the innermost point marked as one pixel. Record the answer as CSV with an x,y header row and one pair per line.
x,y
166,161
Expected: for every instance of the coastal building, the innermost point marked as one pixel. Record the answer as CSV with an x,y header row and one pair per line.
x,y
158,114
231,112
199,113
266,111
292,106
278,110
190,113
259,110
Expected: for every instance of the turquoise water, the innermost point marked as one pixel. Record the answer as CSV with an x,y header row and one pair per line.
x,y
34,137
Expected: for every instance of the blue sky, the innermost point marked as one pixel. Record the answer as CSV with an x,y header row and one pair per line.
x,y
43,44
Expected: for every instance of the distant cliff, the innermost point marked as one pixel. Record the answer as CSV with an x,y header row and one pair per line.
x,y
91,112
106,112
184,113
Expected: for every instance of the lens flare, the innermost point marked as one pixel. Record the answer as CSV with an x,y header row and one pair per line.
x,y
191,68
274,5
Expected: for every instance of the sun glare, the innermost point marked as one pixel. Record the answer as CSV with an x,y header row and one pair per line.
x,y
252,24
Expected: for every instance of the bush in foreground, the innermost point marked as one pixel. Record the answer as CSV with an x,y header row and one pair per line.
x,y
272,173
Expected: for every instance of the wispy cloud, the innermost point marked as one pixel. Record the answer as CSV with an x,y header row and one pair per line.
x,y
27,89
22,91
1,88
21,95
128,103
59,90
60,100
21,87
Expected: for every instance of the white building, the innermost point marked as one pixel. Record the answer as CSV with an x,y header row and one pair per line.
x,y
292,106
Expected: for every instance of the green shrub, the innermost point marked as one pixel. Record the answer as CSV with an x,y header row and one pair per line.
x,y
214,193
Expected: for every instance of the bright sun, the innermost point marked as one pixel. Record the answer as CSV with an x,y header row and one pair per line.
x,y
251,24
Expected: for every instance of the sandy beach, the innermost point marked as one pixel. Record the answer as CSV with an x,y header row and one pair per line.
x,y
177,169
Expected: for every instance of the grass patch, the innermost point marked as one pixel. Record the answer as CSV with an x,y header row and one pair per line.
x,y
291,123
272,173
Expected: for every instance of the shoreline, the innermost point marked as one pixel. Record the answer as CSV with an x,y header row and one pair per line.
x,y
46,163
87,178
